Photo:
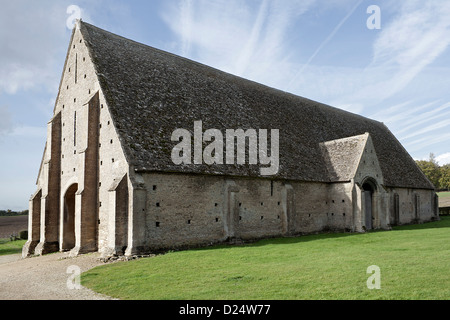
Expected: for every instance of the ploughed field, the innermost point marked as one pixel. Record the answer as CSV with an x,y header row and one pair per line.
x,y
408,262
12,225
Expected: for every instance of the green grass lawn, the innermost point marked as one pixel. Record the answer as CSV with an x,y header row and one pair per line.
x,y
414,263
11,247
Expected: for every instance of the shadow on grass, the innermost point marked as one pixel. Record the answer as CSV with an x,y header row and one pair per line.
x,y
443,223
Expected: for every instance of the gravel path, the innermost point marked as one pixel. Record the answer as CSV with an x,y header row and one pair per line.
x,y
45,277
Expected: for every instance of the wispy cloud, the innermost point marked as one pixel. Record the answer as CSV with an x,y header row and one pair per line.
x,y
243,38
421,119
28,55
323,44
6,124
411,41
427,141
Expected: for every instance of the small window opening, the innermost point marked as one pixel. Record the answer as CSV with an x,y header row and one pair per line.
x,y
157,224
154,187
157,204
76,66
75,129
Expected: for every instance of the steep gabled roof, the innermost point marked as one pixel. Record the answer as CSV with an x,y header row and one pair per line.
x,y
150,93
342,156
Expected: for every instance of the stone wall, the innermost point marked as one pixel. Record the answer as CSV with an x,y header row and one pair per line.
x,y
414,205
191,210
185,210
88,155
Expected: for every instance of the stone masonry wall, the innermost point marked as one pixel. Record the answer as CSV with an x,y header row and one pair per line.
x,y
79,84
186,210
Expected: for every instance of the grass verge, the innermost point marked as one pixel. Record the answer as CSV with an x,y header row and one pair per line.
x,y
413,261
11,247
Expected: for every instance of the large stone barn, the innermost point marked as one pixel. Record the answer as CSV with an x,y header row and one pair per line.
x,y
149,151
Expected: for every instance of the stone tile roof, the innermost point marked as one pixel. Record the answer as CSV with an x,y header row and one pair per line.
x,y
150,93
342,156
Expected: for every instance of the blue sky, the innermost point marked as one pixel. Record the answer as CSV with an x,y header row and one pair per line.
x,y
323,50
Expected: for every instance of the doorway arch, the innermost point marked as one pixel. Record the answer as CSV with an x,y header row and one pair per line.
x,y
369,187
68,223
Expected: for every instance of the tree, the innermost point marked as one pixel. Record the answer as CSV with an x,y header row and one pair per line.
x,y
444,180
431,170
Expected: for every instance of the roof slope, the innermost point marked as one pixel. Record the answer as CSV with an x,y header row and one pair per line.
x,y
150,93
342,156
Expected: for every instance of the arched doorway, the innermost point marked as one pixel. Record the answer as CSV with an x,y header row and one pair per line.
x,y
369,188
68,236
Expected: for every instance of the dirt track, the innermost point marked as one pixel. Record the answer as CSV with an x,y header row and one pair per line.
x,y
45,277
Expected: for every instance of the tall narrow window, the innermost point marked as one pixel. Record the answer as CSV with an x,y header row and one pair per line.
x,y
396,209
75,129
76,65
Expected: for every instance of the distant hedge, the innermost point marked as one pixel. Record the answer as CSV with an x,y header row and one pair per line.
x,y
13,213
